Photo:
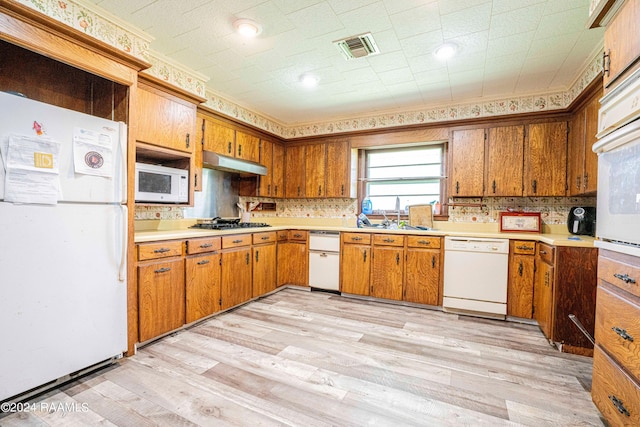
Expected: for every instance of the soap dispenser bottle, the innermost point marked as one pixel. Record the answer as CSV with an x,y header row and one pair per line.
x,y
367,207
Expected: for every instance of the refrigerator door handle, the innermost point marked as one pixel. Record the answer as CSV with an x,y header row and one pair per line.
x,y
123,154
122,270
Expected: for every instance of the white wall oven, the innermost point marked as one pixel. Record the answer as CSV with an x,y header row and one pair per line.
x,y
618,213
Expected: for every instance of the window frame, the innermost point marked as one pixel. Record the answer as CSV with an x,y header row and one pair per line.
x,y
363,168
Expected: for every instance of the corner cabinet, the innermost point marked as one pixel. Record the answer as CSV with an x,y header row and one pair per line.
x,y
565,283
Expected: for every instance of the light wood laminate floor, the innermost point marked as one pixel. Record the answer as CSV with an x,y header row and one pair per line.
x,y
316,359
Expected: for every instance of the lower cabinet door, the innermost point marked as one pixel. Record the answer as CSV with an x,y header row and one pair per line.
x,y
387,271
202,286
520,287
264,269
355,269
422,282
161,298
236,286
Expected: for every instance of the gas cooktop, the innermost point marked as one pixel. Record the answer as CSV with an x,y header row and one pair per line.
x,y
226,224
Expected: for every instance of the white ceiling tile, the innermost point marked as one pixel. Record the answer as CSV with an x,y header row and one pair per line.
x,y
387,61
342,6
516,21
316,20
395,6
465,21
501,46
530,83
393,77
421,44
502,6
419,20
366,19
288,6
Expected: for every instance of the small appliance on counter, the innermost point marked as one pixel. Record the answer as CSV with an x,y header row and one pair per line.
x,y
582,220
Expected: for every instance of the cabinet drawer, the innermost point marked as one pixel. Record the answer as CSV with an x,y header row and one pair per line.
x,y
423,242
546,253
236,240
615,394
267,237
360,238
617,328
299,235
282,235
159,250
524,247
205,244
623,272
388,239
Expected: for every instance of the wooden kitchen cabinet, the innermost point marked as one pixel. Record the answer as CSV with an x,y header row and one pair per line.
x,y
565,283
265,182
264,263
161,288
293,259
545,159
505,148
164,120
339,177
315,166
466,177
295,172
423,270
202,277
277,171
219,137
355,261
521,278
247,147
236,279
582,162
387,266
616,359
621,46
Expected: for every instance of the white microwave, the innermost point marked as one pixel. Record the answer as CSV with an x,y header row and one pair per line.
x,y
161,184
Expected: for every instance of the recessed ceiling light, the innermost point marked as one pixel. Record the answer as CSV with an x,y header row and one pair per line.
x,y
445,51
309,80
247,27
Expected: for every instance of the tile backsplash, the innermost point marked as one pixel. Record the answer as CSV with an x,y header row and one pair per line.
x,y
554,210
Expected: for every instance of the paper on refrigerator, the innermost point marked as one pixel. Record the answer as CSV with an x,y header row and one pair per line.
x,y
92,153
32,173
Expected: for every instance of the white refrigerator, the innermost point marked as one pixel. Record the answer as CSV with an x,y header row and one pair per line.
x,y
63,237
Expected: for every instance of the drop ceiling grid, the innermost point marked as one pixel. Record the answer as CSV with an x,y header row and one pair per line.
x,y
507,48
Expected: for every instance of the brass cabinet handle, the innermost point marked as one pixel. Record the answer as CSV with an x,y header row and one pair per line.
x,y
161,250
187,141
356,239
206,245
162,270
526,248
203,262
237,241
424,242
625,278
297,235
388,240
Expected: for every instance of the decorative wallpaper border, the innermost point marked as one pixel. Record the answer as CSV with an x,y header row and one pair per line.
x,y
101,25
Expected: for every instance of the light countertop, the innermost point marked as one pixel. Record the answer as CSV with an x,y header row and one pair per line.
x,y
149,231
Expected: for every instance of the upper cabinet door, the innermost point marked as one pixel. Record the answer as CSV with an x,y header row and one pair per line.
x,y
265,183
545,160
338,169
576,153
621,44
219,138
505,147
277,173
467,163
294,172
247,147
165,120
315,162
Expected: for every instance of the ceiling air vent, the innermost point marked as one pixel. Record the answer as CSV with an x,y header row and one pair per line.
x,y
357,46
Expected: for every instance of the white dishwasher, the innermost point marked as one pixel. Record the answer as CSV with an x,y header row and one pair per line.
x,y
324,260
475,276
